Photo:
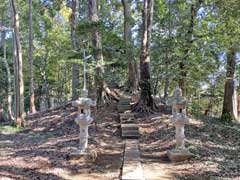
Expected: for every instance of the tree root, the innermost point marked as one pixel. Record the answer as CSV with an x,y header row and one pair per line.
x,y
143,109
107,96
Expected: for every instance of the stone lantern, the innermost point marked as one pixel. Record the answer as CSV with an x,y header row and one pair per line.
x,y
179,119
84,118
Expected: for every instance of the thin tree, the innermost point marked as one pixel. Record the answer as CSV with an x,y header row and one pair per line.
x,y
145,103
132,84
75,66
30,58
18,65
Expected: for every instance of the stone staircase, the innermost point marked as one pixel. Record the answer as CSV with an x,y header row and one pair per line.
x,y
132,167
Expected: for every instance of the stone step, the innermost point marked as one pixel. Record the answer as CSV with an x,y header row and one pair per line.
x,y
127,121
129,127
125,99
123,109
128,107
124,102
132,134
126,116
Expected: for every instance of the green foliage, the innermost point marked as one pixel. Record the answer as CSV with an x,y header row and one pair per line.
x,y
9,129
226,117
215,29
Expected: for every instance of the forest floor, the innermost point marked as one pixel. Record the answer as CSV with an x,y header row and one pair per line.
x,y
216,146
41,150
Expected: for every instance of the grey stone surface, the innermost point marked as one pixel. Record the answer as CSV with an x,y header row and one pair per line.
x,y
177,156
132,167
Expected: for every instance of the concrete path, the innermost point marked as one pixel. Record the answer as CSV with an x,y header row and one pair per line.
x,y
132,167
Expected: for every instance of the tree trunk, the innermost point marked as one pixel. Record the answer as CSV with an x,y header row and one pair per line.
x,y
133,84
19,68
9,92
189,41
104,94
229,111
31,88
1,114
145,103
75,66
45,92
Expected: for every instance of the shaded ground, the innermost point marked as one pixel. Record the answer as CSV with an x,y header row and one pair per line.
x,y
216,146
41,150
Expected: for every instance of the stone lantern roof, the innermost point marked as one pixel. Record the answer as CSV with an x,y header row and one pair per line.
x,y
178,98
84,102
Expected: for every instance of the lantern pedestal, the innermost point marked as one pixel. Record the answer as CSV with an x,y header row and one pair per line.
x,y
177,155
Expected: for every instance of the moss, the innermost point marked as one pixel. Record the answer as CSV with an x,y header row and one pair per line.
x,y
6,129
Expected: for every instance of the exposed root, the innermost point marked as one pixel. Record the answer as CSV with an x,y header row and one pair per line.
x,y
131,90
141,108
107,96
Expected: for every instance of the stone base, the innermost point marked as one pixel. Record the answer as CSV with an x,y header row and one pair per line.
x,y
88,155
179,155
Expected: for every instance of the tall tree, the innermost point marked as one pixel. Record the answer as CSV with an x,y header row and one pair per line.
x,y
19,84
9,91
189,40
30,57
104,94
133,84
75,66
145,103
229,110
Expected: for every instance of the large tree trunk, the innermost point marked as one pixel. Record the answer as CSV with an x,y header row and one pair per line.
x,y
104,94
145,103
31,88
229,111
132,84
75,66
9,92
19,88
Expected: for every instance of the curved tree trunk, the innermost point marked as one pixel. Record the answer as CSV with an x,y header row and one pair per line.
x,y
19,85
31,88
229,110
132,84
145,103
